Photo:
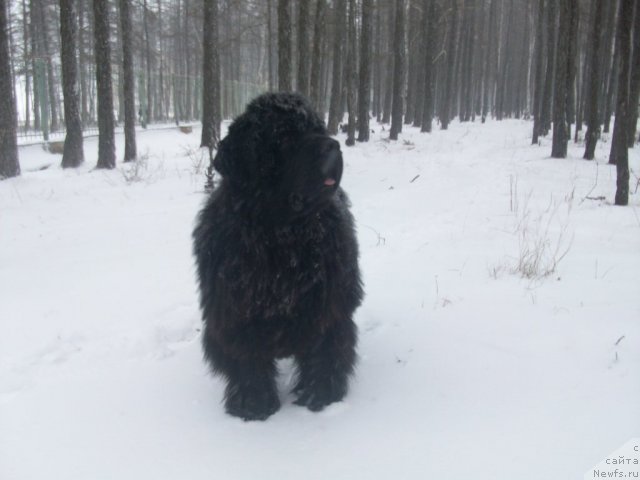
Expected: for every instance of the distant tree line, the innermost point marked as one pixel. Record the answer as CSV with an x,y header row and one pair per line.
x,y
568,65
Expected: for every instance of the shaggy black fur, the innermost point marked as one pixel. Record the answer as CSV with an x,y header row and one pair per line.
x,y
277,260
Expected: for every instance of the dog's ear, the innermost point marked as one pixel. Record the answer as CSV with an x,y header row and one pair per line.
x,y
221,160
236,156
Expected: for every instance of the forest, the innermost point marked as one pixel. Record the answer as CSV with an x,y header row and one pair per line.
x,y
478,204
74,66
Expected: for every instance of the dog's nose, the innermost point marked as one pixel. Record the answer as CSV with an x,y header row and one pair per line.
x,y
331,160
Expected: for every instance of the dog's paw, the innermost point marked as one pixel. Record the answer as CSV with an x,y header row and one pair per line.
x,y
251,402
317,394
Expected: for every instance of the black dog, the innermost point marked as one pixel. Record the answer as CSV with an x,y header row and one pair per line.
x,y
277,260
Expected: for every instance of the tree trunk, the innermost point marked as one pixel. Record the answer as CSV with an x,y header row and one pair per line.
x,y
148,112
284,46
316,57
106,137
186,51
82,56
580,92
37,121
445,112
45,49
73,154
619,152
364,94
505,67
634,87
539,78
160,105
335,107
480,61
118,62
489,62
413,45
593,90
398,72
613,68
572,56
351,75
607,57
377,65
521,105
177,67
303,47
429,25
561,93
9,166
128,82
27,76
418,52
388,83
272,72
210,76
466,104
547,96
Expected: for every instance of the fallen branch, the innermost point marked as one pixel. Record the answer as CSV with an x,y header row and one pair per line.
x,y
587,197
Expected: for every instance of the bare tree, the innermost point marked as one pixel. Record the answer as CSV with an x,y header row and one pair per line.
x,y
316,57
9,165
398,72
148,112
467,34
619,152
45,50
593,91
82,57
27,76
612,67
73,154
210,76
303,47
429,25
547,95
388,60
284,46
364,91
412,60
562,82
572,63
539,76
106,121
128,82
335,107
634,87
445,108
351,75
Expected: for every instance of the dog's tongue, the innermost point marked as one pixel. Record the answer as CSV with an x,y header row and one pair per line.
x,y
330,182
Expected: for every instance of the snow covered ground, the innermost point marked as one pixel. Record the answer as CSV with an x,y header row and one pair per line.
x,y
467,368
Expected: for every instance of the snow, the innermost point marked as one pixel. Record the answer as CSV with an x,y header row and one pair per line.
x,y
467,369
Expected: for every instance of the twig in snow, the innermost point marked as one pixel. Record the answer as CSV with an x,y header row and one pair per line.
x,y
414,178
587,197
381,239
619,340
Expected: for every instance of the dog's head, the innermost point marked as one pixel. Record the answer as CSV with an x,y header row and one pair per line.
x,y
279,147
